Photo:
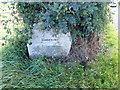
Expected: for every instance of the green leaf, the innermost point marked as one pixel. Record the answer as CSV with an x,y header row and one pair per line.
x,y
56,6
29,42
3,44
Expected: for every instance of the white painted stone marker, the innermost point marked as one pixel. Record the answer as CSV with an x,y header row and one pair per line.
x,y
48,44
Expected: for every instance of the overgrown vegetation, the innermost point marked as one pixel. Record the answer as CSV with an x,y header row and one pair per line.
x,y
47,73
82,18
21,72
85,21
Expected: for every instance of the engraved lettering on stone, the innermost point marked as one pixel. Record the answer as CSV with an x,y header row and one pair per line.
x,y
45,43
49,39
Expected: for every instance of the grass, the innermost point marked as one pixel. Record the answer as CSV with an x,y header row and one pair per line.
x,y
4,15
20,72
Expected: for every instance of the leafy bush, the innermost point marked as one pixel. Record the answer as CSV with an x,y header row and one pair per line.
x,y
83,17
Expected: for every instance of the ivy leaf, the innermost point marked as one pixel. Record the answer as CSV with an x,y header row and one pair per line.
x,y
65,29
46,18
71,19
3,44
61,6
29,42
63,26
47,13
56,5
74,6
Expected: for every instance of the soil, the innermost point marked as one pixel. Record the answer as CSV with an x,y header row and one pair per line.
x,y
84,49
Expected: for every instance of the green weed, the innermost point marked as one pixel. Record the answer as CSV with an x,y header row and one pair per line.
x,y
19,72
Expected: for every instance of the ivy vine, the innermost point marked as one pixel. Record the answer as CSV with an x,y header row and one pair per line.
x,y
79,18
82,18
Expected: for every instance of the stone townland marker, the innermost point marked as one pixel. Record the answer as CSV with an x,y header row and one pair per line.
x,y
48,43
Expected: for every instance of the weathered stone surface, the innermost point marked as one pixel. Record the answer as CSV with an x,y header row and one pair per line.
x,y
48,43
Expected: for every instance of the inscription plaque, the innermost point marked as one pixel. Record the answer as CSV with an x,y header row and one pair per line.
x,y
49,39
48,44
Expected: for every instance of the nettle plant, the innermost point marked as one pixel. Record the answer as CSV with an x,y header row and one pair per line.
x,y
79,18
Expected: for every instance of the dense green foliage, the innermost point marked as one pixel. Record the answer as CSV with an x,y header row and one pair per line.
x,y
81,17
18,72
